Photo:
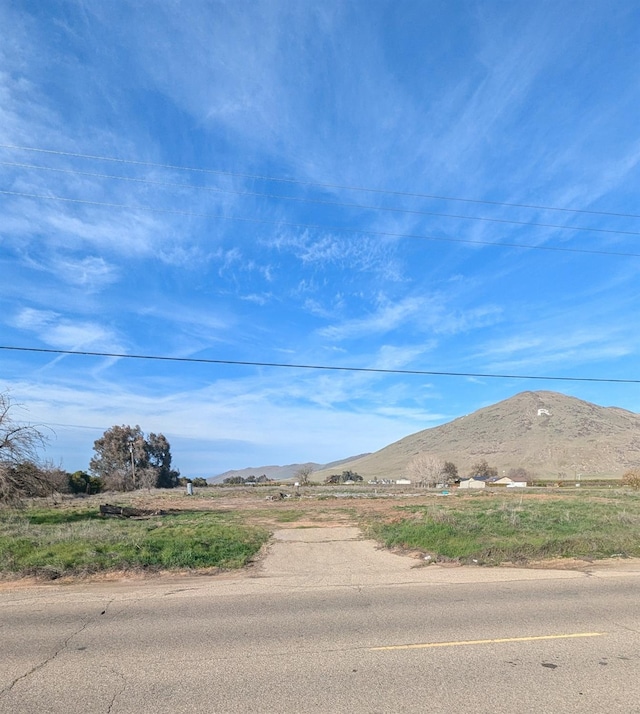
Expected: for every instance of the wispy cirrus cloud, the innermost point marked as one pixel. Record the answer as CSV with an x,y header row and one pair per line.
x,y
349,251
565,346
91,273
388,317
64,333
430,315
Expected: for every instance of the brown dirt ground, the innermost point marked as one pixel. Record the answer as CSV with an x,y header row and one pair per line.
x,y
311,506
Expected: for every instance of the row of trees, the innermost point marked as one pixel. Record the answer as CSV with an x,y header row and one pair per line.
x,y
344,477
124,459
428,470
250,480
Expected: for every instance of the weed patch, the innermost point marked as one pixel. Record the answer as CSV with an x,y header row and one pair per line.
x,y
289,516
56,543
511,530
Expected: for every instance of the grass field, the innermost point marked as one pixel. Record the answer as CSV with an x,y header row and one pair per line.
x,y
53,543
511,529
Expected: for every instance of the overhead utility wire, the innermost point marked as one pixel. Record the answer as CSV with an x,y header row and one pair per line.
x,y
372,370
319,226
298,182
299,199
57,423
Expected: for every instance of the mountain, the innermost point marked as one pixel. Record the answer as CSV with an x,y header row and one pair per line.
x,y
549,434
279,473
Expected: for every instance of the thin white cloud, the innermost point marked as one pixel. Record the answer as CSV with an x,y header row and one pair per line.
x,y
386,318
432,315
63,333
91,273
31,319
258,298
397,357
191,327
350,251
560,349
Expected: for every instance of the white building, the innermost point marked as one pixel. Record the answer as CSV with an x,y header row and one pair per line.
x,y
472,483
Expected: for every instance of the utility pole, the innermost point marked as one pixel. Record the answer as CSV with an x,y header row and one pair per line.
x,y
133,465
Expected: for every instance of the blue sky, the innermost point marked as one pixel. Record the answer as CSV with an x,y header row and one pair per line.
x,y
245,134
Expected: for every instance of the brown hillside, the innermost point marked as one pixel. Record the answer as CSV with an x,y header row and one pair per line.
x,y
568,437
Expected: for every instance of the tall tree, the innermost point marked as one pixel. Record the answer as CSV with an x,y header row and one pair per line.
x,y
124,459
159,459
449,472
118,452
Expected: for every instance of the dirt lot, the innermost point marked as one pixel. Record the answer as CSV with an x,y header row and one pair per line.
x,y
300,508
316,506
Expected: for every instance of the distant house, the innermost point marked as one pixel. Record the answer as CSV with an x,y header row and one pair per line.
x,y
515,482
472,483
403,482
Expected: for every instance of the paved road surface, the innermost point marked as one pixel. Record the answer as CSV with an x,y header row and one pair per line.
x,y
327,623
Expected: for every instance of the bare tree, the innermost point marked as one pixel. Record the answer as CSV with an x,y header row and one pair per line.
x,y
303,474
482,468
425,469
118,479
147,478
19,446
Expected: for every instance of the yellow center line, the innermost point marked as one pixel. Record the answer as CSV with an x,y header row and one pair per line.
x,y
500,640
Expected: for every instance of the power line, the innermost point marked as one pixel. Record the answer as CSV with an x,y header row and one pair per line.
x,y
317,226
55,423
368,370
299,199
299,182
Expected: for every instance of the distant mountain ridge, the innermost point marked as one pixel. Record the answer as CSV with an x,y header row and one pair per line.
x,y
549,434
279,473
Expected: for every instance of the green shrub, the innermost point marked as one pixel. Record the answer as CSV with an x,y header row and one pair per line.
x,y
82,482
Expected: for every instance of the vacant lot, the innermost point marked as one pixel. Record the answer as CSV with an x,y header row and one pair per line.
x,y
224,528
72,541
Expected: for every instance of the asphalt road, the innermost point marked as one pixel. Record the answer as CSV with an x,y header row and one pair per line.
x,y
327,624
